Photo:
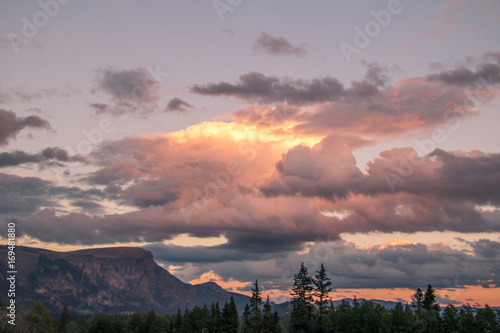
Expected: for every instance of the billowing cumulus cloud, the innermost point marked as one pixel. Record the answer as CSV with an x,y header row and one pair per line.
x,y
277,46
278,181
11,124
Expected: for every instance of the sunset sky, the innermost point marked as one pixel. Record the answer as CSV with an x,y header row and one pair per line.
x,y
236,139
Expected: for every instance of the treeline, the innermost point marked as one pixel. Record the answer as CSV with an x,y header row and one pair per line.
x,y
311,311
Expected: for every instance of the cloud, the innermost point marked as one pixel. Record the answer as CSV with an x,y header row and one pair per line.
x,y
48,154
392,265
271,89
177,104
25,195
327,170
486,72
11,124
279,46
133,91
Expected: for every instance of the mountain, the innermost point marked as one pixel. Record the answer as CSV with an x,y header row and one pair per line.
x,y
105,280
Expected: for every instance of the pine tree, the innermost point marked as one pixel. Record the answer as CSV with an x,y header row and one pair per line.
x,y
246,327
417,301
269,322
322,283
229,317
255,309
302,299
450,319
401,319
429,302
432,310
64,319
215,317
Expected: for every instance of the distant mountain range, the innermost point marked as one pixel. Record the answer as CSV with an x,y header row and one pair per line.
x,y
105,280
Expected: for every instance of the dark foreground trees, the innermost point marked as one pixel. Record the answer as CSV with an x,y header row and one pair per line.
x,y
311,311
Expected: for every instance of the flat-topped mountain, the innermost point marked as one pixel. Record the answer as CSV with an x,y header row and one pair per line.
x,y
109,280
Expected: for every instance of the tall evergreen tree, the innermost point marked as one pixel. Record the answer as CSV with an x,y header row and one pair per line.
x,y
432,310
322,283
401,320
256,309
229,318
269,323
302,299
245,326
486,320
215,317
417,301
450,319
429,301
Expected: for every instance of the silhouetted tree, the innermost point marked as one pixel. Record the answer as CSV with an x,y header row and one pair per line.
x,y
432,310
215,318
486,319
302,299
417,302
450,319
401,320
256,309
322,290
245,326
269,323
466,319
229,317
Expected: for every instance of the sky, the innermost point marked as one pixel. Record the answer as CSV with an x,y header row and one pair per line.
x,y
236,139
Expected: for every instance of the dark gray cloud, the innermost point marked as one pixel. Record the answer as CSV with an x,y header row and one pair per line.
x,y
380,266
277,46
11,124
486,72
49,154
133,91
177,104
486,248
174,254
24,195
264,89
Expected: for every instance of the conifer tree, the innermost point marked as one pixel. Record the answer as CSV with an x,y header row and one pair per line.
x,y
269,322
245,327
64,319
229,317
417,301
255,309
302,299
322,283
450,319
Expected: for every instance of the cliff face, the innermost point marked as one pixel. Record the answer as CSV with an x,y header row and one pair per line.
x,y
110,280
